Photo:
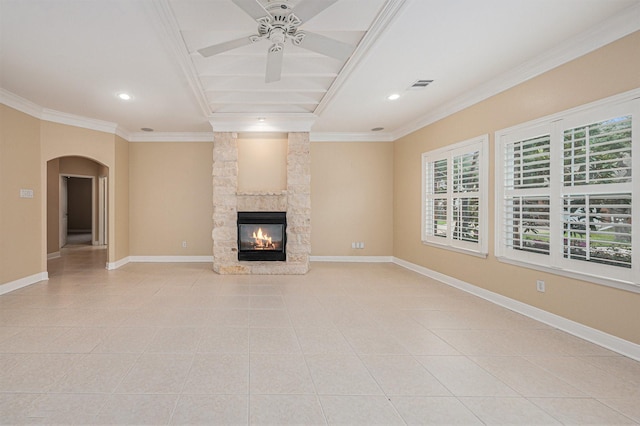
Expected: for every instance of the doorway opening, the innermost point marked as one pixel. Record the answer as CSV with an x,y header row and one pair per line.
x,y
77,211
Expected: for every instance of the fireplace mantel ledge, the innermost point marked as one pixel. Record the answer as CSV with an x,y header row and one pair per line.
x,y
260,193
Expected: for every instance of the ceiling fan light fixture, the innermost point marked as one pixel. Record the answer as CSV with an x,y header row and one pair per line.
x,y
278,23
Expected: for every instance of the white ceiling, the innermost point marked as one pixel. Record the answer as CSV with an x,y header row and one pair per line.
x,y
70,58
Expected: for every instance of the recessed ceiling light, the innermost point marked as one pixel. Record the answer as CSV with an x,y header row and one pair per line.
x,y
146,129
393,97
262,119
124,96
377,129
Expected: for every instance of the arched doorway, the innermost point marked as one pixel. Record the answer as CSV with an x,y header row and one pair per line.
x,y
77,214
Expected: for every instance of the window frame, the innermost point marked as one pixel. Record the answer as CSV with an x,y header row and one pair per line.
x,y
481,145
556,124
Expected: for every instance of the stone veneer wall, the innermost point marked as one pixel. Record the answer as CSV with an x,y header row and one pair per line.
x,y
227,201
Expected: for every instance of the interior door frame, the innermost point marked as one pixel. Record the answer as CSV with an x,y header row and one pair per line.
x,y
103,196
63,187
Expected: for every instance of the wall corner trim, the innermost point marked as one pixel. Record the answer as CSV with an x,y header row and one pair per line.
x,y
117,264
582,331
23,282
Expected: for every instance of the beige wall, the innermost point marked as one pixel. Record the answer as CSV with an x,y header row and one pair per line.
x,y
60,140
262,162
170,199
351,198
21,227
610,70
119,213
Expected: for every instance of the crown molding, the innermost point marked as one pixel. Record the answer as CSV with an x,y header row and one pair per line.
x,y
16,102
78,121
620,25
141,137
23,105
350,137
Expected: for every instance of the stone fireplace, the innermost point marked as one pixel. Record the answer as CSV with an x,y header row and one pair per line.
x,y
228,202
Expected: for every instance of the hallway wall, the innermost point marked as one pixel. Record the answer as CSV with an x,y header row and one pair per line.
x,y
21,224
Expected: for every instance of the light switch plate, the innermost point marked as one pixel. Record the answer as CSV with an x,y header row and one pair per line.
x,y
26,193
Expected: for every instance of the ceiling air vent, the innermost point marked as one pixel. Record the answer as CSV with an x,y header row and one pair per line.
x,y
420,84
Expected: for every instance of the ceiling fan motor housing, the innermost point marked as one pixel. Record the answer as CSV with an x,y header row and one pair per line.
x,y
279,27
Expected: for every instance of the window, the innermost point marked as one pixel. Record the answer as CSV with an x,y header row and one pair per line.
x,y
454,209
566,198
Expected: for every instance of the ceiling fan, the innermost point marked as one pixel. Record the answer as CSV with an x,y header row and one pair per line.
x,y
278,22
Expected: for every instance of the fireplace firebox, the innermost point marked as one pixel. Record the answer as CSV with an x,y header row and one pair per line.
x,y
262,236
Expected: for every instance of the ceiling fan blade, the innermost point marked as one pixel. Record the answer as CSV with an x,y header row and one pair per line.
x,y
310,8
223,47
326,46
274,65
252,8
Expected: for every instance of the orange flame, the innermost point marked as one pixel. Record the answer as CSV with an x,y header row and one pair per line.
x,y
262,240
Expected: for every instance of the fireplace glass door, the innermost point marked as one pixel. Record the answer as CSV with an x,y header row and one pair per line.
x,y
262,236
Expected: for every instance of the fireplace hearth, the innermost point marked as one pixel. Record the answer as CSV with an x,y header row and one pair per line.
x,y
262,236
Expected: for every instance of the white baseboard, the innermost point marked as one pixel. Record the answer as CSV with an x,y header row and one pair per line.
x,y
159,259
54,255
616,344
172,259
23,282
363,259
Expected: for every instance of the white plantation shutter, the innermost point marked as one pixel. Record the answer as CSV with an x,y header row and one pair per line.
x,y
597,228
436,181
527,163
597,192
599,153
566,198
527,223
454,210
466,196
527,171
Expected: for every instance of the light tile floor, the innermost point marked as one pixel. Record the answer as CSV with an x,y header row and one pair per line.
x,y
345,344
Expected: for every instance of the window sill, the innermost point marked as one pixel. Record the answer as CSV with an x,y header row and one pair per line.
x,y
621,285
457,249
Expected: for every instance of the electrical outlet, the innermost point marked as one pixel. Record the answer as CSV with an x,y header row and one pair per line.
x,y
184,244
354,245
540,286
